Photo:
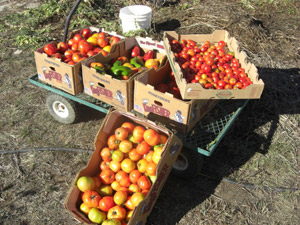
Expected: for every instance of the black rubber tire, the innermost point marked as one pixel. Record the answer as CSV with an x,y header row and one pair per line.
x,y
188,164
62,110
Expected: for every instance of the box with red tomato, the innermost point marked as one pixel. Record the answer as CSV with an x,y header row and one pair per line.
x,y
111,79
59,64
126,173
211,66
157,96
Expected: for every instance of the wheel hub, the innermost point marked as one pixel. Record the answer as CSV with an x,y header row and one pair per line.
x,y
60,109
181,163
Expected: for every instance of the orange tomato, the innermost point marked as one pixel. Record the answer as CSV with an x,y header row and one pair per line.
x,y
142,165
128,204
107,176
129,126
151,168
143,148
116,212
144,183
128,165
106,203
149,155
122,178
106,154
151,137
104,165
134,176
163,139
113,142
77,57
138,133
134,156
125,146
91,198
121,133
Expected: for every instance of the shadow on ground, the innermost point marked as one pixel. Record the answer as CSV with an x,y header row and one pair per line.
x,y
280,96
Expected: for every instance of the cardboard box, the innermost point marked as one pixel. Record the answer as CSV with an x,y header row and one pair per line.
x,y
169,155
59,74
196,91
178,114
106,88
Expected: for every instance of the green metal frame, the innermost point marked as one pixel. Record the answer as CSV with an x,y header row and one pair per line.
x,y
81,98
208,133
204,137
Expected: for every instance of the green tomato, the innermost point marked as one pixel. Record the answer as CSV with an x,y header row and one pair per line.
x,y
111,222
96,216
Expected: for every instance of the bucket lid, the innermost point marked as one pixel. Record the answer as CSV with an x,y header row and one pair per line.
x,y
135,11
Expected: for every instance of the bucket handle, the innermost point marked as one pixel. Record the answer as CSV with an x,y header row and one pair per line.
x,y
68,20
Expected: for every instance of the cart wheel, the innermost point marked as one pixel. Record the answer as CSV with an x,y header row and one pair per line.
x,y
61,109
188,164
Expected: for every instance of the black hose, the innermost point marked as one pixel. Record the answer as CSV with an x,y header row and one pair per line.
x,y
69,18
24,150
227,180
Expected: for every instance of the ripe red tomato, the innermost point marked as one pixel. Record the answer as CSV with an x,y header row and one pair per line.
x,y
114,40
107,176
91,198
106,203
113,142
84,46
129,126
102,42
86,33
77,38
50,49
144,183
134,175
104,165
62,47
143,148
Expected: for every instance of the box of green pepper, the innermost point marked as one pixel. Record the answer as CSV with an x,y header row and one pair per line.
x,y
110,79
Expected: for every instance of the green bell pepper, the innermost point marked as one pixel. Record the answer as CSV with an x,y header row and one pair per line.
x,y
137,62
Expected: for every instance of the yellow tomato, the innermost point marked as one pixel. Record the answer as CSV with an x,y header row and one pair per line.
x,y
93,41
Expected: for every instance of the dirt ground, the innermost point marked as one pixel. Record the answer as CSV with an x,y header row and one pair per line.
x,y
251,178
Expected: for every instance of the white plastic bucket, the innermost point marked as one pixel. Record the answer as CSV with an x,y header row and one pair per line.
x,y
135,17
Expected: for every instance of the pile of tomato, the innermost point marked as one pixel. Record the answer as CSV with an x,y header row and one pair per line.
x,y
127,172
169,85
212,66
81,46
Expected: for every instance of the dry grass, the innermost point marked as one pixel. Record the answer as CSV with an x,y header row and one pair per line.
x,y
261,153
